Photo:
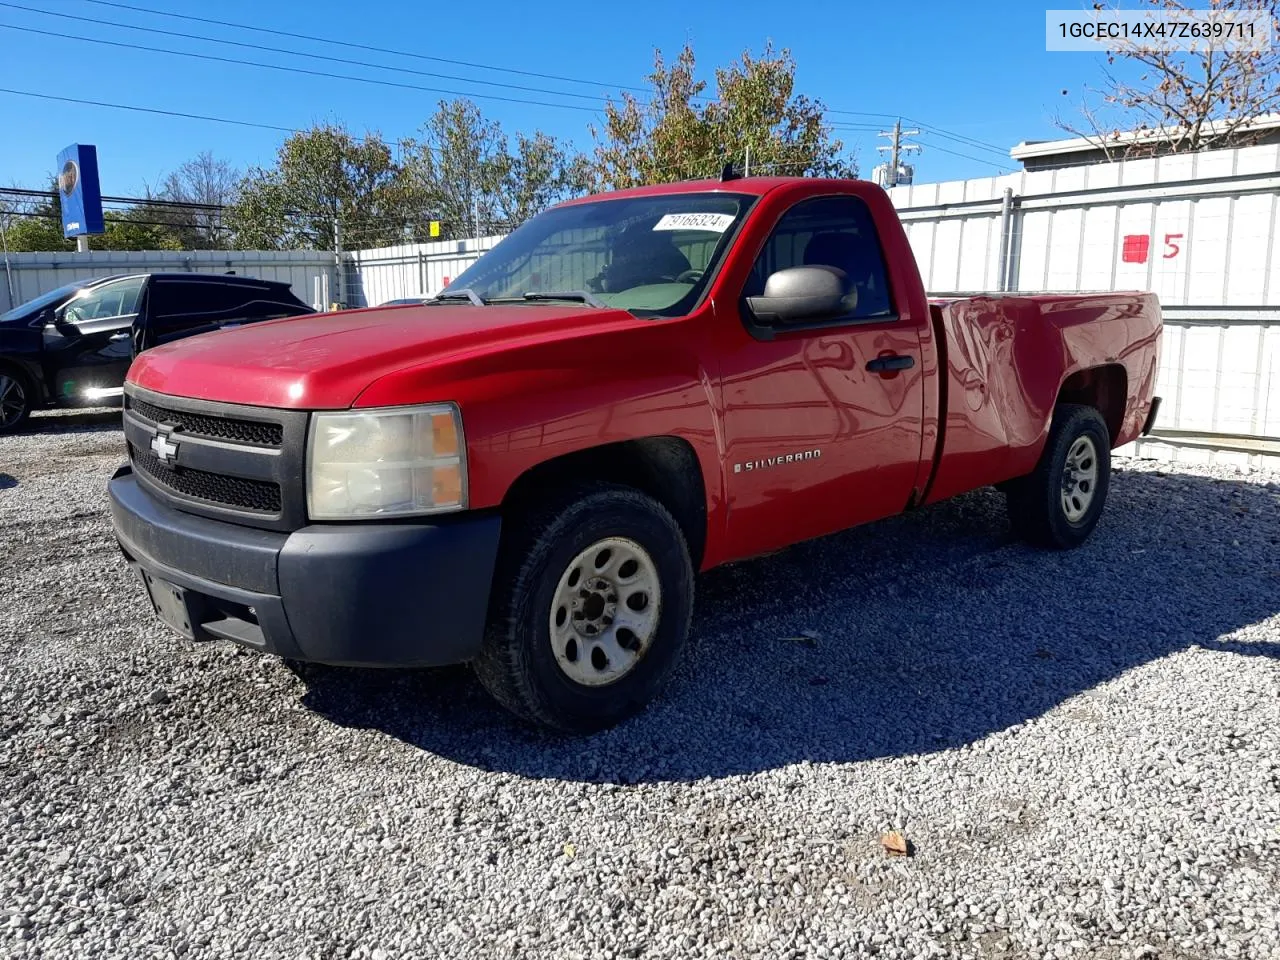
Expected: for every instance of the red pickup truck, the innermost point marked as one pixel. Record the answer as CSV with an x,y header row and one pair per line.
x,y
527,471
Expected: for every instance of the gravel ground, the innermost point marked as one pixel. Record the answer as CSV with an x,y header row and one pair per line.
x,y
1083,749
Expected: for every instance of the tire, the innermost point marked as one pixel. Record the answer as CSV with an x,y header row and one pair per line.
x,y
580,682
16,399
1051,509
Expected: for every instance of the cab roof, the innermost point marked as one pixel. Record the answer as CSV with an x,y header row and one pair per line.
x,y
755,186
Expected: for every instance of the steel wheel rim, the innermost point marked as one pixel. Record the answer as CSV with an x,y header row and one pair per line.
x,y
604,612
1079,479
13,400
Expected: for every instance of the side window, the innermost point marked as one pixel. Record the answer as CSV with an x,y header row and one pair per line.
x,y
834,232
118,299
221,301
212,302
189,299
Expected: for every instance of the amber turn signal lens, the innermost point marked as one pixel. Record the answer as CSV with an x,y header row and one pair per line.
x,y
444,435
446,485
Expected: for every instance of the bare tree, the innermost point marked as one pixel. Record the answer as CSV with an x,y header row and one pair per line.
x,y
207,181
1182,101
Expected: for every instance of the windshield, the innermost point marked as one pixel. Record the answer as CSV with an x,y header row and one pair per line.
x,y
42,301
652,256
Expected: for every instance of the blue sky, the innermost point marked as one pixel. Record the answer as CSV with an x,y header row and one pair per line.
x,y
967,70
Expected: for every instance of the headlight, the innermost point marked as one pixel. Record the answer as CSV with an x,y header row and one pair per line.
x,y
397,461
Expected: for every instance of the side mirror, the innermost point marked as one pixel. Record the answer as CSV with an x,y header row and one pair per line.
x,y
800,294
53,317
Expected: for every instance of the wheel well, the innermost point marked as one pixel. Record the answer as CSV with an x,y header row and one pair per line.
x,y
1106,389
665,468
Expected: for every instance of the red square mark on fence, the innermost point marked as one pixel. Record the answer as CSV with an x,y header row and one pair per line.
x,y
1136,248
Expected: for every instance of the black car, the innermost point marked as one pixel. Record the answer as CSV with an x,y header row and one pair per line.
x,y
72,346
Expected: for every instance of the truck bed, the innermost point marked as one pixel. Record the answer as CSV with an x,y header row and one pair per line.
x,y
1007,356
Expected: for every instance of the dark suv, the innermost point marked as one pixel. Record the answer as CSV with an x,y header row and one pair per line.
x,y
72,346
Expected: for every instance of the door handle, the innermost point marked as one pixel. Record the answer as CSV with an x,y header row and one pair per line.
x,y
122,335
890,363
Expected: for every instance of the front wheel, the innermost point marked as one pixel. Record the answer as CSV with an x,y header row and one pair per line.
x,y
592,606
16,398
1060,503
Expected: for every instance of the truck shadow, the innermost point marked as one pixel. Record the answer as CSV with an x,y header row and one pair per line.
x,y
923,633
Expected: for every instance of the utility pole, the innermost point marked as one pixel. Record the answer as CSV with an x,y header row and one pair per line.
x,y
8,275
897,148
337,256
746,171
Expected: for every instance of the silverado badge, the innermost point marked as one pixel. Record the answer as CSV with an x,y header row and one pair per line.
x,y
777,461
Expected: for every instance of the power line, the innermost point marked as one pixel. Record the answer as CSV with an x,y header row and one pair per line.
x,y
298,53
134,108
360,46
936,130
155,110
989,163
150,201
933,132
929,130
940,131
862,113
300,70
37,215
959,137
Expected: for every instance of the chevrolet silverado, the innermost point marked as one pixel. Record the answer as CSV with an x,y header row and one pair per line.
x,y
527,471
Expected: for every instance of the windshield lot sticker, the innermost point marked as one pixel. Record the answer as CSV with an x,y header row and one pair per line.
x,y
716,222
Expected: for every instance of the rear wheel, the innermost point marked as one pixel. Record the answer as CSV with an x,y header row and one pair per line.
x,y
591,612
16,398
1060,503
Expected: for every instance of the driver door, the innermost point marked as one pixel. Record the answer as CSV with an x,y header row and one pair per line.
x,y
88,346
821,432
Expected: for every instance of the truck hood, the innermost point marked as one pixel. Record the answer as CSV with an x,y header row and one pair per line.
x,y
325,361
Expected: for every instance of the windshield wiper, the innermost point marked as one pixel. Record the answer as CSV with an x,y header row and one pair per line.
x,y
463,293
589,299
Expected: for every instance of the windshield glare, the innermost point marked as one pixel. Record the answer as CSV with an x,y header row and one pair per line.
x,y
42,301
652,256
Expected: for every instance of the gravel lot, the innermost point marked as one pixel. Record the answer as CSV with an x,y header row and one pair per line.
x,y
1084,750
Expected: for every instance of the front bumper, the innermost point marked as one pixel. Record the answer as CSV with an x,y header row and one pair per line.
x,y
366,594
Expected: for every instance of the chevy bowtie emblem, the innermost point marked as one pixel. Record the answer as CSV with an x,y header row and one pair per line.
x,y
164,449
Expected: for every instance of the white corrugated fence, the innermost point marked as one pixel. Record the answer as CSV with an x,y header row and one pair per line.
x,y
407,270
1199,230
308,272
